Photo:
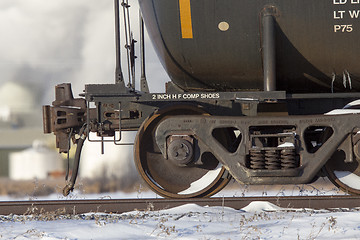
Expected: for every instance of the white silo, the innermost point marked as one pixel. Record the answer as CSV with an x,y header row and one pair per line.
x,y
34,163
116,162
16,97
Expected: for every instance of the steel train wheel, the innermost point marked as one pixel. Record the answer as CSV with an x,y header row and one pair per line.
x,y
168,179
345,175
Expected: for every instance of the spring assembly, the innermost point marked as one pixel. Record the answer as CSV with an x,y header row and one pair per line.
x,y
257,159
288,159
272,160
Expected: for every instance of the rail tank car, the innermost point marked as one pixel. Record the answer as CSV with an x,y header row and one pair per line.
x,y
217,45
265,92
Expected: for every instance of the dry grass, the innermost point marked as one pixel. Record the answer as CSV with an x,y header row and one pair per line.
x,y
34,188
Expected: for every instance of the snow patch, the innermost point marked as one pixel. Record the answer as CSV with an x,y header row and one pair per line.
x,y
353,103
343,111
286,144
260,206
350,179
203,182
194,208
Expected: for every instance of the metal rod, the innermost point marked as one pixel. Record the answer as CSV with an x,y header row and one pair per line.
x,y
143,82
131,49
118,71
269,52
127,36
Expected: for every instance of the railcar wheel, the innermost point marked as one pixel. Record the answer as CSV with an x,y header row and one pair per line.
x,y
345,176
341,171
169,179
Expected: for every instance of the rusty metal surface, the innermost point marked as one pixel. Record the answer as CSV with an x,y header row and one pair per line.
x,y
237,163
126,205
67,114
169,179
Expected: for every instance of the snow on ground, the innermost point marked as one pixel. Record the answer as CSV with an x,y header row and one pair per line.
x,y
259,220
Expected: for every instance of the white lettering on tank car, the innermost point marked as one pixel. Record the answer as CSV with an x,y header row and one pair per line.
x,y
343,28
354,13
339,14
190,95
339,1
166,96
210,95
346,14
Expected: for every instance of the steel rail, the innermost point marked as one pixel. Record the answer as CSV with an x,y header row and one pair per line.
x,y
127,205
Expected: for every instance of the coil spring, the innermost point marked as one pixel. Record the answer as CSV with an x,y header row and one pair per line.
x,y
288,159
272,160
257,159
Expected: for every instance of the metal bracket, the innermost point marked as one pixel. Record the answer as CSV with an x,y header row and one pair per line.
x,y
65,113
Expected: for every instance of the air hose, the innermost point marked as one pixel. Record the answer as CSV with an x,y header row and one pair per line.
x,y
70,185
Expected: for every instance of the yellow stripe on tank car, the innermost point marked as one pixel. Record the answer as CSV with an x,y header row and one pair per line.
x,y
185,19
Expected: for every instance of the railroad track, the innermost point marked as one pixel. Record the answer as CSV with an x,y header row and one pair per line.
x,y
126,205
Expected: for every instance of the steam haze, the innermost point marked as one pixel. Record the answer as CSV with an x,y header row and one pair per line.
x,y
45,43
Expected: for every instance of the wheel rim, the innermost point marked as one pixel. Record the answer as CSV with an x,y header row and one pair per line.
x,y
344,175
164,177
